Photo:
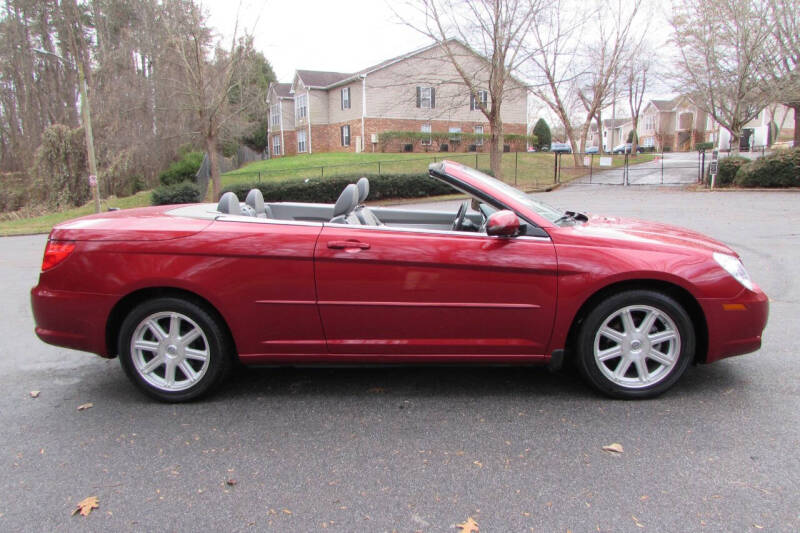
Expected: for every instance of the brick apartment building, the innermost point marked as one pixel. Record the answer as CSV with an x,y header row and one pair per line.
x,y
418,93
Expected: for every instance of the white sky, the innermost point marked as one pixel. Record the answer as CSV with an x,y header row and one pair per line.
x,y
339,36
349,35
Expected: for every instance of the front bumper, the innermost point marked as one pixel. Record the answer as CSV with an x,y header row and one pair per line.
x,y
735,324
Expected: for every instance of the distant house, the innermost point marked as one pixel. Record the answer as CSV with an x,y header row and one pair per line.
x,y
615,132
757,133
672,125
417,93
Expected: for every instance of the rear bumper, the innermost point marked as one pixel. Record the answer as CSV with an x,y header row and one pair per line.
x,y
70,319
735,325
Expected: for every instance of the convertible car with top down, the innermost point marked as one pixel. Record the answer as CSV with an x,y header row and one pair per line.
x,y
180,292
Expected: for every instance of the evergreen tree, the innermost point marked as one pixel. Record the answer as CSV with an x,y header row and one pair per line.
x,y
542,132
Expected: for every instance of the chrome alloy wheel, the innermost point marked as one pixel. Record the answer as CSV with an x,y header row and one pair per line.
x,y
170,351
637,346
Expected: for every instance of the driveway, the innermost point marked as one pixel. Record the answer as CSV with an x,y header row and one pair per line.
x,y
419,449
678,168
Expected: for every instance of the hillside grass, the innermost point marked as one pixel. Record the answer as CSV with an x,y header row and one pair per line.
x,y
44,223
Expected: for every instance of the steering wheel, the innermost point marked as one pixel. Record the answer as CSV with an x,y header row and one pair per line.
x,y
458,222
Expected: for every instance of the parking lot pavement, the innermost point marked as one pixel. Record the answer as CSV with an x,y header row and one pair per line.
x,y
419,449
679,168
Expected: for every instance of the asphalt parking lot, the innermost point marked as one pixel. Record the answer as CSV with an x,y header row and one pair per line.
x,y
419,449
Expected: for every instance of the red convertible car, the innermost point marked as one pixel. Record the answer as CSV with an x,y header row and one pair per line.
x,y
180,292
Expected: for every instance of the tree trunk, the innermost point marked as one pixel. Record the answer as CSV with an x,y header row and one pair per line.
x,y
496,149
635,139
213,167
796,107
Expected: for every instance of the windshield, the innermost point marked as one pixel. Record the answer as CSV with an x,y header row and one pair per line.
x,y
542,209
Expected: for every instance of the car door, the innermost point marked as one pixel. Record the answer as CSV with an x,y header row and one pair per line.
x,y
407,292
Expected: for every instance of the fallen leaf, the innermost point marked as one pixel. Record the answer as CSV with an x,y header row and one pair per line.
x,y
470,526
287,511
614,448
478,464
636,521
85,506
35,393
231,482
85,406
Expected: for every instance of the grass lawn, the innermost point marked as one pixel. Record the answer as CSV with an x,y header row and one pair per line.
x,y
44,223
526,170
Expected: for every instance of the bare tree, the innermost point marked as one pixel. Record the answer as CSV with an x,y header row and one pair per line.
x,y
635,78
720,45
783,57
618,32
553,46
497,29
213,85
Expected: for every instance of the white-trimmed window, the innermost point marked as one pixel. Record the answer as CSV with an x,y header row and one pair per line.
x,y
276,145
275,115
482,97
301,106
426,97
426,128
301,141
455,134
346,98
478,135
345,134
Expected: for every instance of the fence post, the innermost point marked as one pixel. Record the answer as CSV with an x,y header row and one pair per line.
x,y
625,180
259,176
516,165
321,172
591,164
555,167
662,165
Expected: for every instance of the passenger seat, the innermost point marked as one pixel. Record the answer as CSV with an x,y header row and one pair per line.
x,y
364,213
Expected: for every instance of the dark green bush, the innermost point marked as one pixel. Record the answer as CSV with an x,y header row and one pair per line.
x,y
780,169
182,170
178,193
327,190
727,169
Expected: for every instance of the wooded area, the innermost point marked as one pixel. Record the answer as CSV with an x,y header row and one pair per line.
x,y
160,83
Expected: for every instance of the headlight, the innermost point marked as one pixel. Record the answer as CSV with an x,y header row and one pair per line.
x,y
735,268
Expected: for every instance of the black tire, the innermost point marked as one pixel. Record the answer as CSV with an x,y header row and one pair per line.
x,y
652,367
197,357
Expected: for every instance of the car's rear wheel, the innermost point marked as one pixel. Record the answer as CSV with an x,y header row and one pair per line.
x,y
635,344
174,349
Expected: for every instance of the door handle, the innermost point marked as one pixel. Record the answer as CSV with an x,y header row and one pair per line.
x,y
344,245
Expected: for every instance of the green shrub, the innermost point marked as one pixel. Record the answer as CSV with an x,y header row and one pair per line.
x,y
780,169
542,133
727,169
182,170
178,193
701,147
327,190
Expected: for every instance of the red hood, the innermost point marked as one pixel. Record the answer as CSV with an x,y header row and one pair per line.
x,y
646,233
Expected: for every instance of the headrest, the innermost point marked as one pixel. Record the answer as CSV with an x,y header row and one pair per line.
x,y
255,200
347,201
229,204
363,189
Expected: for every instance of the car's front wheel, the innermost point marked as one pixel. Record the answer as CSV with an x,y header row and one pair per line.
x,y
635,344
173,349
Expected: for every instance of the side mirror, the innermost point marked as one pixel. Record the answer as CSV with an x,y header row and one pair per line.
x,y
502,224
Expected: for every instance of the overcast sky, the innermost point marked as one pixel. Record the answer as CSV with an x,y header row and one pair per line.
x,y
339,36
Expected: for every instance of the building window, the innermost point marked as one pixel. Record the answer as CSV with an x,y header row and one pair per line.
x,y
483,99
275,115
301,141
345,135
426,128
276,145
426,97
455,134
478,135
346,98
301,106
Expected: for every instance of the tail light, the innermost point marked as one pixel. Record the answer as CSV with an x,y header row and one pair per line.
x,y
55,253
